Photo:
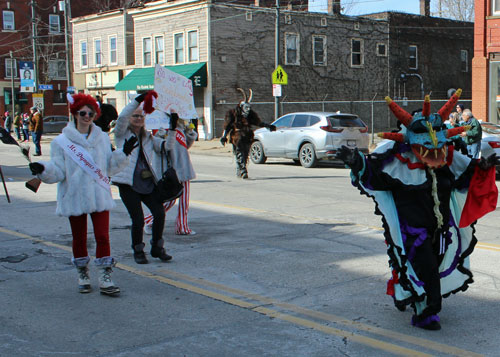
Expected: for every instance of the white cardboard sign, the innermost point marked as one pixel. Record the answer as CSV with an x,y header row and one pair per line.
x,y
175,93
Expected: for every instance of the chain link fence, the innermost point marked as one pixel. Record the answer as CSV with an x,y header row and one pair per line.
x,y
375,113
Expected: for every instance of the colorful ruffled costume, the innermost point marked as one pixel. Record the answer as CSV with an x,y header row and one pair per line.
x,y
429,197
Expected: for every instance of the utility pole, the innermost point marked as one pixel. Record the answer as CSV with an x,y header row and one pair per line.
x,y
67,16
12,84
277,55
34,31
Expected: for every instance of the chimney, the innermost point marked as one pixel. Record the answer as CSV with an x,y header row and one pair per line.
x,y
334,6
425,7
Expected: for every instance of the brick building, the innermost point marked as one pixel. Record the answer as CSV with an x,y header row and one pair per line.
x,y
486,61
16,38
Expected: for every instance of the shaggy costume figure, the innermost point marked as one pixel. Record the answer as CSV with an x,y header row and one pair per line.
x,y
238,124
429,197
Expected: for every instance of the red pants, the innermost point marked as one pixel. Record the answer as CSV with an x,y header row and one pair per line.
x,y
100,221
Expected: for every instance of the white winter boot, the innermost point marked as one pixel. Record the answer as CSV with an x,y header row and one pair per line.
x,y
83,274
106,285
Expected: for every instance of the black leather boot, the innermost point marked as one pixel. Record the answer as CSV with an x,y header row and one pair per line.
x,y
139,255
157,251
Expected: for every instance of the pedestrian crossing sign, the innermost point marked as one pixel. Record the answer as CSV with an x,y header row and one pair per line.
x,y
280,76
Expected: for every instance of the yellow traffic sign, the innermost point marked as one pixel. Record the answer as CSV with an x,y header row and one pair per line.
x,y
280,76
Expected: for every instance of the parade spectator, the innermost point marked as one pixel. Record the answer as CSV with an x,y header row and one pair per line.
x,y
36,129
137,182
472,137
82,190
26,127
8,122
178,142
18,125
458,143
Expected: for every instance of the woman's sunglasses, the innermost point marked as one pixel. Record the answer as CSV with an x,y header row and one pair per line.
x,y
82,113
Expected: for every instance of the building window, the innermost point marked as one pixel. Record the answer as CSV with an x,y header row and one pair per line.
x,y
98,52
319,50
146,51
381,50
113,57
159,50
59,97
57,69
357,57
193,53
292,48
8,20
412,57
179,47
83,53
10,66
495,7
54,24
464,60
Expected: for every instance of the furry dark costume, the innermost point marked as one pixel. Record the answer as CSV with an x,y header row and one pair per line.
x,y
238,124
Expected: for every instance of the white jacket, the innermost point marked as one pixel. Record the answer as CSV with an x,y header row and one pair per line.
x,y
77,192
150,144
179,154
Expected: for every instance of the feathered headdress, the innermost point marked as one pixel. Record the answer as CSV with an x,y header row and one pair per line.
x,y
77,101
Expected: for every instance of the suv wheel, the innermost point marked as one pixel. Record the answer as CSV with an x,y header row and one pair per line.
x,y
257,153
307,156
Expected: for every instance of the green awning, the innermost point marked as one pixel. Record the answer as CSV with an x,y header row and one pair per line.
x,y
143,78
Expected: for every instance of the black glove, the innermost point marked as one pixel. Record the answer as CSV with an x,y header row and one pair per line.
x,y
36,168
223,141
272,127
140,98
485,164
174,117
129,145
348,156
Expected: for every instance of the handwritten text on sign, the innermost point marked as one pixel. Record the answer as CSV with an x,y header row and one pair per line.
x,y
175,93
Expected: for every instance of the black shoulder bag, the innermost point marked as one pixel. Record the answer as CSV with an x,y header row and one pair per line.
x,y
169,185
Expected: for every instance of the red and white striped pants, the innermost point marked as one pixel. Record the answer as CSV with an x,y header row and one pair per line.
x,y
181,225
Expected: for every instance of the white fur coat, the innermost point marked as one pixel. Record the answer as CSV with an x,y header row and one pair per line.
x,y
77,192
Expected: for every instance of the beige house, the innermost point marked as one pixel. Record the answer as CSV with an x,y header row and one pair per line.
x,y
222,46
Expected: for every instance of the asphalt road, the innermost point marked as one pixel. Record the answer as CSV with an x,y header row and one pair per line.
x,y
289,262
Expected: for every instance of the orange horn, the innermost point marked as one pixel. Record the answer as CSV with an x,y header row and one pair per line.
x,y
400,138
426,109
455,131
445,111
402,115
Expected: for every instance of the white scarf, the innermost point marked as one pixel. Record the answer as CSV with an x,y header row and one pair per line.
x,y
84,159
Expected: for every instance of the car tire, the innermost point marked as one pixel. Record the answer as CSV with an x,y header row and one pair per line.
x,y
257,153
307,156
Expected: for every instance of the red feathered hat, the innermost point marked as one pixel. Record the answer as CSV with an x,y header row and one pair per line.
x,y
77,101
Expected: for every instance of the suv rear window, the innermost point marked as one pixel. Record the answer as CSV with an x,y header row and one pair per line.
x,y
345,121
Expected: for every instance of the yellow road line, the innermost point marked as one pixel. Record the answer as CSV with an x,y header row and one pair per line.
x,y
328,317
276,314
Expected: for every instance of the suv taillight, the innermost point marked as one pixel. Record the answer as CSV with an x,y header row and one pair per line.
x,y
331,129
363,130
494,144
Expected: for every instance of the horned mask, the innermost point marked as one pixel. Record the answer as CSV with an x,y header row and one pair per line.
x,y
424,131
245,103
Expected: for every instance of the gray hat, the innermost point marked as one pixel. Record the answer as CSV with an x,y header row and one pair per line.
x,y
34,108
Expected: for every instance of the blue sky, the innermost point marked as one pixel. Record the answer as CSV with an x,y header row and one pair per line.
x,y
370,6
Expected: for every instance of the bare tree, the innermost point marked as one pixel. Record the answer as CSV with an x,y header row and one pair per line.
x,y
462,10
105,5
